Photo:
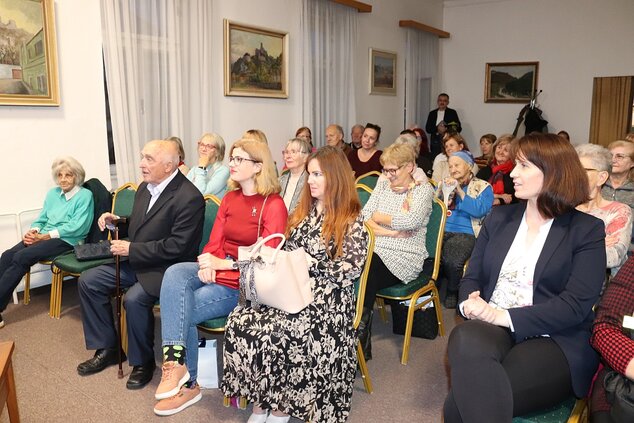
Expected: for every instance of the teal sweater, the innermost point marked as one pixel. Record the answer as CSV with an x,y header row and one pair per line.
x,y
71,218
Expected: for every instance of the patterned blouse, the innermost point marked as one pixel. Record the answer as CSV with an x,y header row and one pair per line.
x,y
410,211
617,218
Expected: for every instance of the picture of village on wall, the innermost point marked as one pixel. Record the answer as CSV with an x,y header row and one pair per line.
x,y
257,62
23,68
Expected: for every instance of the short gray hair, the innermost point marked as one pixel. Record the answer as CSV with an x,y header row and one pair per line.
x,y
71,164
217,141
409,139
303,145
600,156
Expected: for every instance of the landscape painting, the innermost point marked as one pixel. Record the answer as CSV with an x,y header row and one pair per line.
x,y
28,57
510,82
382,72
255,61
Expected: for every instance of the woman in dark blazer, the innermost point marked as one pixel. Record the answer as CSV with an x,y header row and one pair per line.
x,y
536,271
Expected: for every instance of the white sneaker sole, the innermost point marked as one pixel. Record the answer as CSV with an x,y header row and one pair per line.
x,y
179,409
174,391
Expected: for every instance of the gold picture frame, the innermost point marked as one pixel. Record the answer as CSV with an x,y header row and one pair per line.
x,y
28,61
510,82
382,72
255,61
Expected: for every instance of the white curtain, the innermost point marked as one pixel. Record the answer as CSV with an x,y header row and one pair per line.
x,y
157,57
421,75
329,34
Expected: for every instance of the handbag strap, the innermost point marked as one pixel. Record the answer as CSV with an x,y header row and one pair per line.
x,y
258,245
261,211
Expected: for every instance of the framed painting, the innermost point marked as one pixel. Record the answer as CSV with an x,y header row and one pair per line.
x,y
510,82
28,53
382,72
255,61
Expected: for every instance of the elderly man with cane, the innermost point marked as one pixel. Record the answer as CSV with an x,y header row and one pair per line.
x,y
165,227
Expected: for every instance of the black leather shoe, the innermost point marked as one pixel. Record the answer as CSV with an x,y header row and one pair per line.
x,y
102,359
141,375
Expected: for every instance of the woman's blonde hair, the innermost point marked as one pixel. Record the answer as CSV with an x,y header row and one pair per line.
x,y
341,202
255,135
266,181
398,154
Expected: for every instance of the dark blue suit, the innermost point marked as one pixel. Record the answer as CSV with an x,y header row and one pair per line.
x,y
568,278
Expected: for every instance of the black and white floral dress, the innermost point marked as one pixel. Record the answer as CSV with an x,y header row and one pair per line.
x,y
302,364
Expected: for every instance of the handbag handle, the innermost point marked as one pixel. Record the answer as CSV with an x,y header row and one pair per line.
x,y
258,245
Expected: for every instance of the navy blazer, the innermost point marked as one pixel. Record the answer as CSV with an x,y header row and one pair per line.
x,y
170,232
450,116
568,278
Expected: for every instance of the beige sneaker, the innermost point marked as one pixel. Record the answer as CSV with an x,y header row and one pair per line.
x,y
174,376
183,399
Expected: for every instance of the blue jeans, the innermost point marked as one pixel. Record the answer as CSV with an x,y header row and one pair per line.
x,y
185,302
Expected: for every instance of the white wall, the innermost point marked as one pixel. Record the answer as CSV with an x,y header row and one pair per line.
x,y
279,118
33,136
573,40
380,30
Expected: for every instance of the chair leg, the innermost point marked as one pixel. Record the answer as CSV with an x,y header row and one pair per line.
x,y
124,329
226,401
27,286
436,300
242,403
408,331
365,374
380,303
53,301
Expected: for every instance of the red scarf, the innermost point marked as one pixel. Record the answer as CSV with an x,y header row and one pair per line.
x,y
497,175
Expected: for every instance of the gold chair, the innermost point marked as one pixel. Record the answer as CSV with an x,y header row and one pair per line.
x,y
364,192
425,283
571,410
8,394
359,286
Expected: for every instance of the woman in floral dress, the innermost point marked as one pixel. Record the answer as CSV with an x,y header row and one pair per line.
x,y
304,364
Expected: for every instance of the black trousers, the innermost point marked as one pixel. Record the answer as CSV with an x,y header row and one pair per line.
x,y
96,287
456,250
379,277
16,261
494,379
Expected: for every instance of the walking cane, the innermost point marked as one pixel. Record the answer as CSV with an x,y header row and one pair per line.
x,y
117,287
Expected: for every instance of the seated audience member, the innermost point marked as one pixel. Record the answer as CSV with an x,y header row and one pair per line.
x,y
620,185
211,175
436,139
64,221
293,181
486,147
367,158
398,211
468,201
197,291
181,154
452,143
498,172
305,133
616,216
304,365
334,138
564,135
420,173
612,340
355,136
424,142
164,228
256,135
535,273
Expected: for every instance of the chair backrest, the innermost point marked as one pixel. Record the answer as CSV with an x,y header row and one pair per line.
x,y
102,199
123,199
212,203
360,283
364,192
435,232
369,179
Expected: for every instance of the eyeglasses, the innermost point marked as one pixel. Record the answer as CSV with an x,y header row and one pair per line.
x,y
619,157
238,160
391,172
291,152
206,146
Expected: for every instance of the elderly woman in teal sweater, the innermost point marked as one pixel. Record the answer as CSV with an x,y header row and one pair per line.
x,y
64,221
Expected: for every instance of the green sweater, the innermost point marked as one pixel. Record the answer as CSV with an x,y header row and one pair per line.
x,y
70,218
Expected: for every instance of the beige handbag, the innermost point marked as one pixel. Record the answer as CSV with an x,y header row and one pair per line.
x,y
274,277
